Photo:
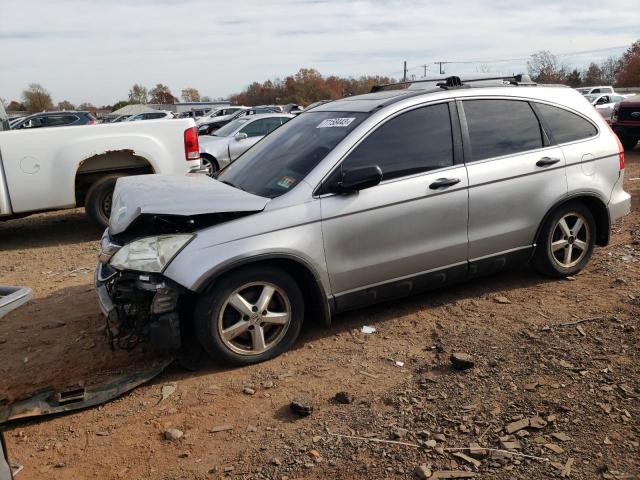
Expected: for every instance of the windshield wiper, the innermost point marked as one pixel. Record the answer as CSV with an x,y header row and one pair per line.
x,y
232,185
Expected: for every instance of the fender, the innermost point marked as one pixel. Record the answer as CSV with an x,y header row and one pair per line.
x,y
327,302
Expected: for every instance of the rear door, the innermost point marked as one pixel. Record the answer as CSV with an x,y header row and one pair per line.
x,y
410,231
515,177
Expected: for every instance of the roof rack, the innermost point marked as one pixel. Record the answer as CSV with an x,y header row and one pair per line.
x,y
455,82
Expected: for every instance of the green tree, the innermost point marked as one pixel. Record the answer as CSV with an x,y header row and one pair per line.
x,y
118,105
593,75
138,94
629,73
36,98
190,94
574,78
161,94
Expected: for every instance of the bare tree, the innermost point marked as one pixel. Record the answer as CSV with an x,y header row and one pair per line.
x,y
87,107
66,105
36,98
190,94
610,68
592,75
543,67
138,94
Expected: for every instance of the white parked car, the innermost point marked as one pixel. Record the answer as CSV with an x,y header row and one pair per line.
x,y
236,137
219,114
159,115
604,103
67,167
595,90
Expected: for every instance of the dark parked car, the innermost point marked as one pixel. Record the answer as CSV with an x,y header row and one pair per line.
x,y
53,119
625,121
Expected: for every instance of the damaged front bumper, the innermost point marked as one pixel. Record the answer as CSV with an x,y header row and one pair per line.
x,y
139,307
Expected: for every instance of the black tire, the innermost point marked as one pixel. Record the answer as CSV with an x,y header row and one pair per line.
x,y
210,304
98,200
544,259
628,143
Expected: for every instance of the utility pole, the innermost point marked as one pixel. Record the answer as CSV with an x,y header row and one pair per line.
x,y
425,69
405,72
441,64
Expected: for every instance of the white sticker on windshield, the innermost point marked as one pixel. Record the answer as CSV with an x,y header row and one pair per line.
x,y
335,122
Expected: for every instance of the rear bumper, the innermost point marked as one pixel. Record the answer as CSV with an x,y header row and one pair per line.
x,y
620,204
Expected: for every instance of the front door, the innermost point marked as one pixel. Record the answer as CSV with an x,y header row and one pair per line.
x,y
410,231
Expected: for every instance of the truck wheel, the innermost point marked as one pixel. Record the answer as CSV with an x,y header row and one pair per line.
x,y
628,142
566,241
97,203
250,315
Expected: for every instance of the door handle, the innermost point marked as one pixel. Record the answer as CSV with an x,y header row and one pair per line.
x,y
546,161
444,182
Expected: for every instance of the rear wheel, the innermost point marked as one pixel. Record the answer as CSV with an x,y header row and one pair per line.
x,y
98,201
210,164
250,316
566,241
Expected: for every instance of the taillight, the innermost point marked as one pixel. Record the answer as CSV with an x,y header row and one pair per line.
x,y
620,148
620,153
91,122
191,145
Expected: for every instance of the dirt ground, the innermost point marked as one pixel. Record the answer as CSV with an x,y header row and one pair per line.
x,y
560,358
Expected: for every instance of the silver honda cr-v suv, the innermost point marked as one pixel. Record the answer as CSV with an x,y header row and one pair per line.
x,y
357,201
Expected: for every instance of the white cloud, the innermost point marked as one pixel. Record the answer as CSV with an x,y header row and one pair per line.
x,y
94,51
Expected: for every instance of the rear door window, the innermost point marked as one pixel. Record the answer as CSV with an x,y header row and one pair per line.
x,y
59,120
566,126
413,142
501,127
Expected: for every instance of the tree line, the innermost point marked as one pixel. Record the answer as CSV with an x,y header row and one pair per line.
x,y
308,85
623,71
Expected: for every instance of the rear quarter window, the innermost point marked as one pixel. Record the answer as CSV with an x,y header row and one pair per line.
x,y
566,126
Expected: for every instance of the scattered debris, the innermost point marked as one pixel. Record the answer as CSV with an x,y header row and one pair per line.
x,y
566,471
248,391
563,437
554,448
461,361
366,329
221,428
451,474
473,461
502,300
167,390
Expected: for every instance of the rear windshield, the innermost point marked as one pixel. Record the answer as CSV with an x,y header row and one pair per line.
x,y
277,163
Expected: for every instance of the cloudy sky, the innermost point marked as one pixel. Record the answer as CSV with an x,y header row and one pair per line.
x,y
94,50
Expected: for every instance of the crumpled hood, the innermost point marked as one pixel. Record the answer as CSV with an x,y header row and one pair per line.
x,y
176,195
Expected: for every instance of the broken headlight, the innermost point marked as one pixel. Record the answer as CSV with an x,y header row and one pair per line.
x,y
150,254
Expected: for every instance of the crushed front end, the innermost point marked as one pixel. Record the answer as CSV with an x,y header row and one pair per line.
x,y
139,307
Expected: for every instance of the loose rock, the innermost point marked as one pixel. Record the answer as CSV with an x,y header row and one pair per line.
x,y
173,434
344,397
461,361
423,472
301,405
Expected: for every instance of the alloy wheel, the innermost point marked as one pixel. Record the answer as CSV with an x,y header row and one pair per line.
x,y
254,318
569,242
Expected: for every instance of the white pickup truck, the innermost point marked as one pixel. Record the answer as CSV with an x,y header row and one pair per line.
x,y
66,167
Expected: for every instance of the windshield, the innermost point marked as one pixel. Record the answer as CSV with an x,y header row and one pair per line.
x,y
230,127
278,162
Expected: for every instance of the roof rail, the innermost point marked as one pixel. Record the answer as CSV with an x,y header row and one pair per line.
x,y
455,82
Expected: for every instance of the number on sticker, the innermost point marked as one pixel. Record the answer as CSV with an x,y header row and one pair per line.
x,y
335,122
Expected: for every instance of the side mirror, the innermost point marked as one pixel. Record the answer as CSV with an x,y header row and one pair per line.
x,y
357,179
241,136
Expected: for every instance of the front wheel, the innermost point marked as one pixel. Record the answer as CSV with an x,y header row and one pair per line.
x,y
566,241
250,316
